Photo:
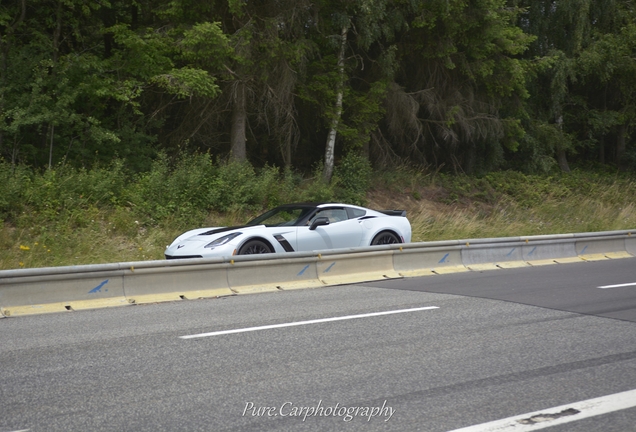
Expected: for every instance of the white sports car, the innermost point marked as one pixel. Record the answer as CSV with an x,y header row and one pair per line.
x,y
297,228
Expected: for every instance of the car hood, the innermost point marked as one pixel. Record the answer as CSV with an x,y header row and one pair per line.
x,y
209,234
206,235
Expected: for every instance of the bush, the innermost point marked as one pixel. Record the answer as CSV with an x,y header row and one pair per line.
x,y
315,189
164,191
197,186
56,192
352,178
15,180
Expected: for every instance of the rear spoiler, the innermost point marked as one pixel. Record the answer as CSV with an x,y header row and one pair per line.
x,y
394,212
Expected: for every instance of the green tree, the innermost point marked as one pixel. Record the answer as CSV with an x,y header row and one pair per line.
x,y
577,101
75,76
607,85
459,79
348,75
257,78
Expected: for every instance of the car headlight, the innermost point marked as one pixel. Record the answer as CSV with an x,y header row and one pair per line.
x,y
222,240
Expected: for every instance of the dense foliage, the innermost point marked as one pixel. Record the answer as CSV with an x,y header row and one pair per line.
x,y
462,85
66,215
71,216
189,190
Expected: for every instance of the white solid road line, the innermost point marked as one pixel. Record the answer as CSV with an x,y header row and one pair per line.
x,y
618,286
558,415
299,323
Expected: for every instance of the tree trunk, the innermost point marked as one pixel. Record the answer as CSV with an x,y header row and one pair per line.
x,y
620,147
287,155
14,152
239,122
56,55
51,147
562,160
57,33
601,155
331,138
560,151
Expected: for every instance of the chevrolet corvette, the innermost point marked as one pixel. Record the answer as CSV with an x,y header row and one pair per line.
x,y
299,227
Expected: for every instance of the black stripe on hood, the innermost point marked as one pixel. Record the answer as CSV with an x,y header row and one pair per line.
x,y
220,230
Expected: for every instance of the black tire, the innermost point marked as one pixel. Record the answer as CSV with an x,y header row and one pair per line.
x,y
384,238
255,247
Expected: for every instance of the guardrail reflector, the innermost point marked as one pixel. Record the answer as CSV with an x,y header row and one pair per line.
x,y
417,273
568,260
593,257
450,269
211,293
482,267
37,309
512,264
618,255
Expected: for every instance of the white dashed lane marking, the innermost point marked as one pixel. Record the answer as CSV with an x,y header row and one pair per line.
x,y
558,415
618,286
299,323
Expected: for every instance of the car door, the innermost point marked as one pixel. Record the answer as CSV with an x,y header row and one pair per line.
x,y
341,232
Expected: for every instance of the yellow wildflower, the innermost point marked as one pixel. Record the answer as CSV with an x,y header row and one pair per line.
x,y
24,248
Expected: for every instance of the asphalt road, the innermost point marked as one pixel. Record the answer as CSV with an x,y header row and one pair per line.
x,y
606,289
498,344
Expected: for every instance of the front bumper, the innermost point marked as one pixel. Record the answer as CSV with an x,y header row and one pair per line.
x,y
182,256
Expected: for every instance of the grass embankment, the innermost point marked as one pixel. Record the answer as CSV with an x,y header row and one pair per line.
x,y
509,203
70,217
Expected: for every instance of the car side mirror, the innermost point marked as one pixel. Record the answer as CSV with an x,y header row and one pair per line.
x,y
319,221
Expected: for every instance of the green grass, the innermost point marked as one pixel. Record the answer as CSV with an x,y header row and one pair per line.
x,y
102,216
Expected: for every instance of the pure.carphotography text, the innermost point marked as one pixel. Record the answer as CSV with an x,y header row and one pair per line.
x,y
347,413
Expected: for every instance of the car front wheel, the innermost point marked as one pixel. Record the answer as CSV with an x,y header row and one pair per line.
x,y
384,238
254,247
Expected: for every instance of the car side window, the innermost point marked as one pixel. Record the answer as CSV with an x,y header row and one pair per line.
x,y
333,214
355,213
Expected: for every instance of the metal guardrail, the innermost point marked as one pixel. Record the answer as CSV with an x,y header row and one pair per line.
x,y
58,289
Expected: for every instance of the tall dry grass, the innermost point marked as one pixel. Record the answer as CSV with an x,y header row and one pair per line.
x,y
563,207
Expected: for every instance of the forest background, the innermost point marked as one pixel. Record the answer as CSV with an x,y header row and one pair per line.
x,y
150,113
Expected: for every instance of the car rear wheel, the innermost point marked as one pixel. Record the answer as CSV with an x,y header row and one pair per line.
x,y
385,237
254,247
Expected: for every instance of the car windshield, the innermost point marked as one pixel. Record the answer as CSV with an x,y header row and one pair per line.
x,y
282,216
